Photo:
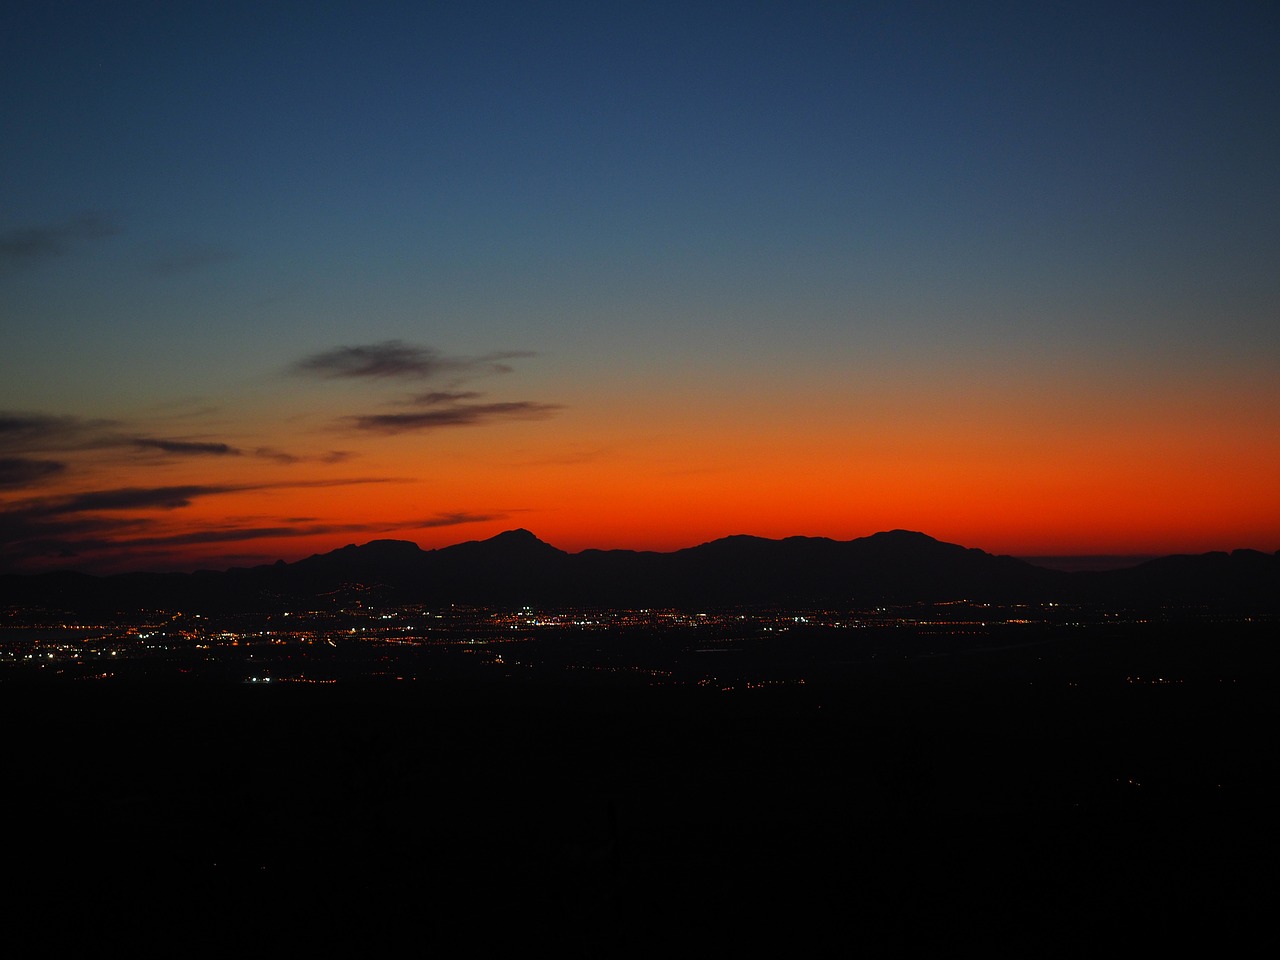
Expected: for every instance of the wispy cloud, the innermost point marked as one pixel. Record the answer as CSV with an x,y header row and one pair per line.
x,y
135,498
61,489
22,433
26,432
171,497
44,241
282,456
300,527
23,472
186,447
453,520
234,534
120,518
437,397
397,359
23,536
459,415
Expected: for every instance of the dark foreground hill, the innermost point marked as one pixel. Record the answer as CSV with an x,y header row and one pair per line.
x,y
1029,801
516,568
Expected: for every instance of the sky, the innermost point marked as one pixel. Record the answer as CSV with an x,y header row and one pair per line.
x,y
279,277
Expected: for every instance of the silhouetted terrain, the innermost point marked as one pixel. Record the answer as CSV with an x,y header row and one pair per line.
x,y
516,568
915,780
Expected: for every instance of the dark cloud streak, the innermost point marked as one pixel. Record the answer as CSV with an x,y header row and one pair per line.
x,y
23,432
18,472
438,397
397,359
456,416
23,536
159,498
234,534
136,498
28,244
454,519
282,456
66,526
28,432
186,447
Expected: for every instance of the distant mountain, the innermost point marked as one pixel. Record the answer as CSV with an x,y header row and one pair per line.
x,y
1237,579
516,568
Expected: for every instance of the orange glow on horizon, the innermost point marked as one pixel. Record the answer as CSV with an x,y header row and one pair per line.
x,y
1170,474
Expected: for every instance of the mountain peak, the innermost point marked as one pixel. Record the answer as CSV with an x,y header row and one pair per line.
x,y
518,535
515,543
903,535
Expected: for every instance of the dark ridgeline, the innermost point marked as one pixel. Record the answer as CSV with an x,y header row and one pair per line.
x,y
516,568
1093,790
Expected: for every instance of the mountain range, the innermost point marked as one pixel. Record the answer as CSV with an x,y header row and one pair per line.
x,y
516,568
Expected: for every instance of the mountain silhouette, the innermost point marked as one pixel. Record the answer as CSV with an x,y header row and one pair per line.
x,y
516,568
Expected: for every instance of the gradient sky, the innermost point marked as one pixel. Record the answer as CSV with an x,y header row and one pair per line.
x,y
278,277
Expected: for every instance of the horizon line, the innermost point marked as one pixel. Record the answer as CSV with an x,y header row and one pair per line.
x,y
1066,563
